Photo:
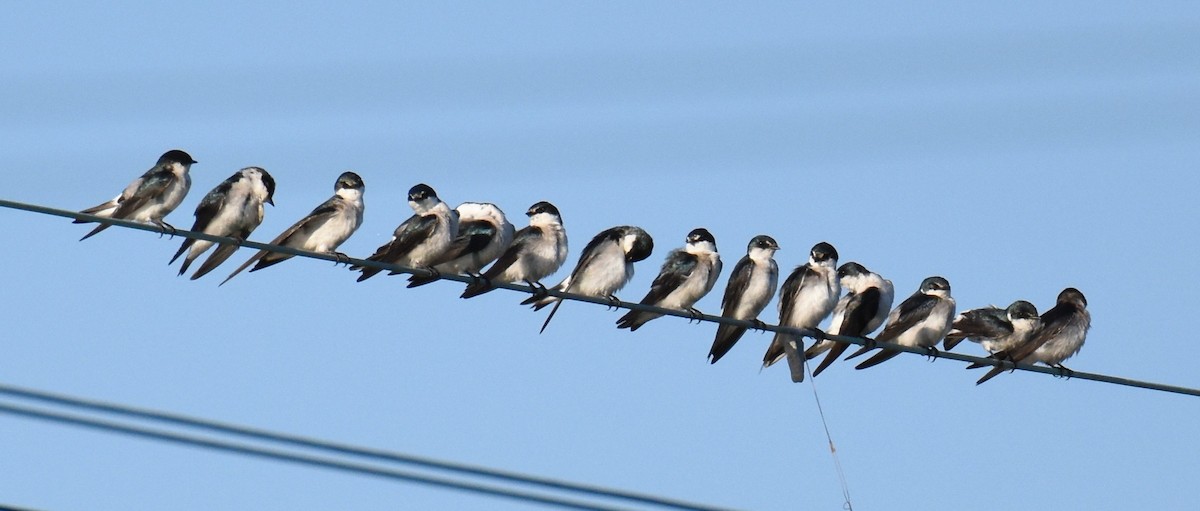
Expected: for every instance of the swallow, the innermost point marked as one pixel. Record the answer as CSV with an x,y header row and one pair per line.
x,y
151,197
604,267
233,209
749,290
423,240
994,328
536,252
686,276
863,309
922,320
1061,335
483,233
808,296
322,231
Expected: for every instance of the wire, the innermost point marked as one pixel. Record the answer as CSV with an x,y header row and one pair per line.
x,y
303,459
344,449
811,333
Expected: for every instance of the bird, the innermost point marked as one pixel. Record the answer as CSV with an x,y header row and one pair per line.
x,y
686,276
994,328
483,233
604,267
857,314
323,230
750,288
808,296
1061,335
921,320
423,240
233,209
536,251
151,197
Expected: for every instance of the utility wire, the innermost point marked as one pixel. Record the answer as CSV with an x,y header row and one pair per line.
x,y
811,333
303,459
345,449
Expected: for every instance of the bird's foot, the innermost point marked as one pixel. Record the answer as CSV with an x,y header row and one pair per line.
x,y
340,258
759,325
932,353
538,289
695,314
1063,372
165,228
613,301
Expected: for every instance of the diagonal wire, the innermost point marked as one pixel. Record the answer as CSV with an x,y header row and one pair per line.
x,y
345,449
304,459
811,333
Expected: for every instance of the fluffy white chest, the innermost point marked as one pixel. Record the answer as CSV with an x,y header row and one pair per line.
x,y
932,329
698,284
815,300
605,274
1066,344
433,246
544,257
758,292
156,208
336,230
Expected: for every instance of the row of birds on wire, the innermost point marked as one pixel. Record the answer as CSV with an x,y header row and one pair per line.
x,y
468,238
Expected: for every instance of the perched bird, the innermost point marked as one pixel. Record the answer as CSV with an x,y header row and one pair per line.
x,y
808,296
686,276
483,233
536,252
233,209
922,321
605,266
750,289
857,314
1061,335
323,230
994,328
423,240
150,198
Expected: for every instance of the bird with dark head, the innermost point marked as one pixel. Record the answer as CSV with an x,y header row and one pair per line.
x,y
686,276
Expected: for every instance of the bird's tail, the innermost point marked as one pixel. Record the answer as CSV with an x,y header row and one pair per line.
x,y
990,374
219,255
187,243
415,280
793,350
775,351
862,350
476,288
557,303
244,265
834,352
883,356
727,336
95,231
952,339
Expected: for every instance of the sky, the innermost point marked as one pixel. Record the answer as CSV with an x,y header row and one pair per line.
x,y
1014,149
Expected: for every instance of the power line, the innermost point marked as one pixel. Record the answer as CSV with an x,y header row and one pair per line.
x,y
345,449
803,332
303,459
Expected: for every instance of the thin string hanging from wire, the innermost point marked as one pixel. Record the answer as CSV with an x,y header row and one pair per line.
x,y
802,332
837,461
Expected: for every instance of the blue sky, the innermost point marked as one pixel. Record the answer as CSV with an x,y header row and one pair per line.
x,y
1014,150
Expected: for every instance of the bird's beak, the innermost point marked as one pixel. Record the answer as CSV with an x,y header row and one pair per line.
x,y
270,201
